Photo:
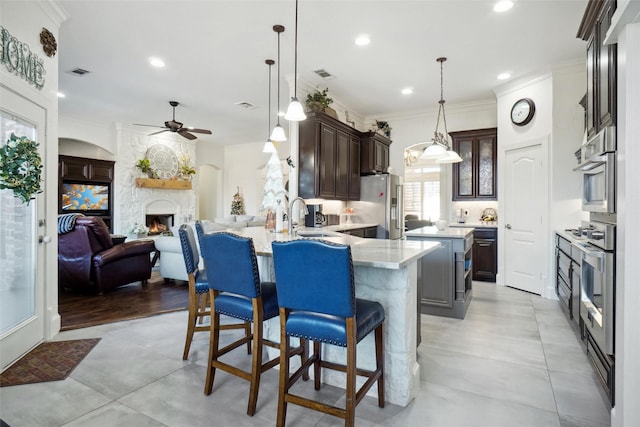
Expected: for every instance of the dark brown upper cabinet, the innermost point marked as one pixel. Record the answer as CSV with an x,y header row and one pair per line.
x,y
475,177
329,159
601,65
375,153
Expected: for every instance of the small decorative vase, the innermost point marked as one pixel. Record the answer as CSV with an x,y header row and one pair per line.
x,y
270,225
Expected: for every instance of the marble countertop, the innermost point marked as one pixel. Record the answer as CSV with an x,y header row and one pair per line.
x,y
475,224
569,236
449,232
380,253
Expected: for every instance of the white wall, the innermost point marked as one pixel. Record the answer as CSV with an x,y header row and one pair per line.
x,y
25,21
626,29
559,120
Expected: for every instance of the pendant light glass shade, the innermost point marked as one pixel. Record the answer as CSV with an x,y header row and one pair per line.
x,y
433,151
295,112
278,134
269,147
439,148
449,157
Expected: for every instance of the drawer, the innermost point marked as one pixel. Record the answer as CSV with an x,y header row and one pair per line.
x,y
576,255
485,233
563,244
564,263
564,294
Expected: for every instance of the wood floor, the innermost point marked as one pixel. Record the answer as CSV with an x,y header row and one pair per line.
x,y
79,310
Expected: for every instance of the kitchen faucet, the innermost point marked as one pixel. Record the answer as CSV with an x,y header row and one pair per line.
x,y
292,229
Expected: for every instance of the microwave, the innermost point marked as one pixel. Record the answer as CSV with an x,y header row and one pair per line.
x,y
598,168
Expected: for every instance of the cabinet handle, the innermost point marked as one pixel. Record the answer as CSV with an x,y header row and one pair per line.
x,y
507,226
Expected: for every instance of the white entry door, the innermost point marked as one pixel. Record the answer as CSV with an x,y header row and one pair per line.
x,y
525,205
21,256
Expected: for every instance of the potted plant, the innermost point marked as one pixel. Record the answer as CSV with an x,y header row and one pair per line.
x,y
145,167
185,170
383,127
318,100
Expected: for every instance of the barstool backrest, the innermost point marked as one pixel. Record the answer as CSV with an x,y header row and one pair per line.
x,y
189,248
315,275
231,263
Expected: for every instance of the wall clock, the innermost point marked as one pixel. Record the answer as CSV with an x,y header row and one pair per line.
x,y
522,111
163,160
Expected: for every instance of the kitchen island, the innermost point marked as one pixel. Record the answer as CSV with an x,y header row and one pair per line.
x,y
385,271
444,275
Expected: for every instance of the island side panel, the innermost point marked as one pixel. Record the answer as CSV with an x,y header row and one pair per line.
x,y
396,290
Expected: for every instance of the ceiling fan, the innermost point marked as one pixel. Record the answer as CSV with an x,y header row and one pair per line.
x,y
177,127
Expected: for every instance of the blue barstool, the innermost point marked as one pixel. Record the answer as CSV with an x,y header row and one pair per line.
x,y
198,287
236,291
316,295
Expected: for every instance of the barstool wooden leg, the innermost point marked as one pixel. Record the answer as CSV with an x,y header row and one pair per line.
x,y
380,364
317,351
283,387
214,339
191,322
256,359
350,406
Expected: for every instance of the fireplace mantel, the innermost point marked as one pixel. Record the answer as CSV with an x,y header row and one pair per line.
x,y
163,183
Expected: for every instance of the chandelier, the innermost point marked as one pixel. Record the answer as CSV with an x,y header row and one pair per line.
x,y
438,149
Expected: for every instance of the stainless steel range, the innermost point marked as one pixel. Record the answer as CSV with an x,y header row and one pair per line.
x,y
597,293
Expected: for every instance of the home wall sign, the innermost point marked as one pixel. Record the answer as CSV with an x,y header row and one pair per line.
x,y
18,59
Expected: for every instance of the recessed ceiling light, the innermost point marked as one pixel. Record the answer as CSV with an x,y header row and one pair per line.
x,y
363,40
502,6
407,91
156,62
503,76
61,95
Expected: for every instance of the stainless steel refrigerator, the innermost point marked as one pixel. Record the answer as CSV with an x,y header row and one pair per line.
x,y
381,203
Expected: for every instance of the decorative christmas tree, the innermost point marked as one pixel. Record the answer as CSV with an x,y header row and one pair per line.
x,y
237,204
273,188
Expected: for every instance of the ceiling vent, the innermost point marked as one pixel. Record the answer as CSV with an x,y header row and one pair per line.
x,y
324,74
79,71
245,104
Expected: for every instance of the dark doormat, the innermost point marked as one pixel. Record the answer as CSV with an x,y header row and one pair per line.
x,y
50,361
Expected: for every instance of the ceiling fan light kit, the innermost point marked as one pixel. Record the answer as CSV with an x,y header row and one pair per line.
x,y
177,127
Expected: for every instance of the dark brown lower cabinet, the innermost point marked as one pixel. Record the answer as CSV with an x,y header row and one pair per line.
x,y
485,254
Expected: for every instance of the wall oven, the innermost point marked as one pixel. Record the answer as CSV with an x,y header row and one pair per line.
x,y
598,167
597,296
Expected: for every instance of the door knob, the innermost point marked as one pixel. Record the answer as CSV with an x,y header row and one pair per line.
x,y
507,226
44,239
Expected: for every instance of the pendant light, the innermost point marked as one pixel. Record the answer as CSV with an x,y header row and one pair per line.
x,y
278,132
295,112
439,148
268,146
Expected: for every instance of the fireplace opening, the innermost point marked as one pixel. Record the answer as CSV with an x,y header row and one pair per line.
x,y
159,223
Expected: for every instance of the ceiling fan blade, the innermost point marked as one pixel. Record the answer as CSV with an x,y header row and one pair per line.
x,y
186,134
194,130
153,126
160,131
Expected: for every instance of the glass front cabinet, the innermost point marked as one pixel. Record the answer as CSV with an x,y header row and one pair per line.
x,y
475,177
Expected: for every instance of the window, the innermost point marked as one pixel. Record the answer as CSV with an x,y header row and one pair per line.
x,y
422,191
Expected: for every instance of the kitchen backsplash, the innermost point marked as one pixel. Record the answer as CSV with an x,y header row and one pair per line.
x,y
474,210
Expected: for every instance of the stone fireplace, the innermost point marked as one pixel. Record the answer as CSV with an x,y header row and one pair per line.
x,y
158,223
133,204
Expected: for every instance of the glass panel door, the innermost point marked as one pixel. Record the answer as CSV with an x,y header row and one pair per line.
x,y
22,284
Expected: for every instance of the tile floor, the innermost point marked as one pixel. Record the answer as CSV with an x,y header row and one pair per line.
x,y
514,361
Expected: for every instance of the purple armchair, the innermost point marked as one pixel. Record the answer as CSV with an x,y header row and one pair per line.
x,y
88,259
